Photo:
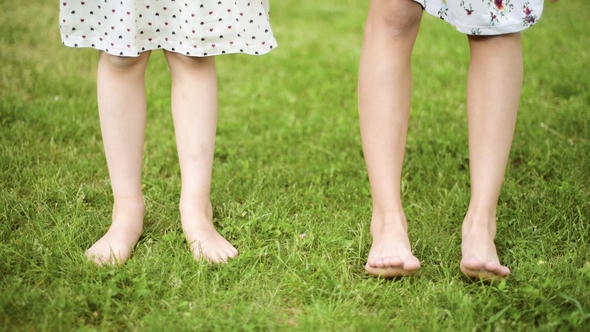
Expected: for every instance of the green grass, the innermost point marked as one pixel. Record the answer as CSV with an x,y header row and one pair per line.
x,y
288,161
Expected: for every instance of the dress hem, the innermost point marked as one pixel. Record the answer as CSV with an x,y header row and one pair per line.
x,y
487,30
221,50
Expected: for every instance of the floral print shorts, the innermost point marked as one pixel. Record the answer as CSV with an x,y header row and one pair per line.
x,y
486,17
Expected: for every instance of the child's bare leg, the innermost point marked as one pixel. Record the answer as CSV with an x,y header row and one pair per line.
x,y
194,108
122,108
493,94
384,106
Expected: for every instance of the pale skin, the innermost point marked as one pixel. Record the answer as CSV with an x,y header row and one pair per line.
x,y
495,69
122,109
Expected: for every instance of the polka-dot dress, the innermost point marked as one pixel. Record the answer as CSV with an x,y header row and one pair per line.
x,y
189,27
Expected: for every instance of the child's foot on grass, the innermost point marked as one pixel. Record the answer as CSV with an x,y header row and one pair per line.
x,y
204,240
480,259
115,247
390,255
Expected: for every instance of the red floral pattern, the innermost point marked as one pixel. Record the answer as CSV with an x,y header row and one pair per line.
x,y
486,17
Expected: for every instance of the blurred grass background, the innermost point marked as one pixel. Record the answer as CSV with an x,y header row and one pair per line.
x,y
288,162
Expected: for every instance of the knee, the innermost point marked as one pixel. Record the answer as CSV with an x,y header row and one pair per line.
x,y
188,62
120,63
394,17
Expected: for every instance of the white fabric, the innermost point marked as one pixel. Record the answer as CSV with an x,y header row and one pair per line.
x,y
189,27
486,17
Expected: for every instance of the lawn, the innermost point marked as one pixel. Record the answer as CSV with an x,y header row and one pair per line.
x,y
290,188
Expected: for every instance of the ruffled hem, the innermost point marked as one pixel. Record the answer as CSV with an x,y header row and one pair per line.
x,y
228,47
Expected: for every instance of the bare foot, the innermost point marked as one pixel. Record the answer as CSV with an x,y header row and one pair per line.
x,y
204,240
480,260
115,247
390,255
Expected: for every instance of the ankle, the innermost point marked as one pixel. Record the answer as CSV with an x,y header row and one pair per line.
x,y
191,202
129,205
388,219
479,220
196,211
479,223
